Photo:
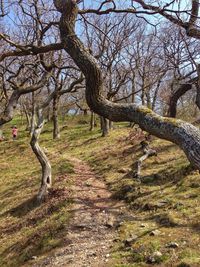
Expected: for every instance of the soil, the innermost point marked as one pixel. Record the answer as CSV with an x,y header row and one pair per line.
x,y
92,230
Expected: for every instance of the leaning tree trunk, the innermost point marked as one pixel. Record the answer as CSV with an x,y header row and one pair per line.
x,y
56,130
185,135
42,158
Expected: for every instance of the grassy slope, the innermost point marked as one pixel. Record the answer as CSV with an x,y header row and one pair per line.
x,y
166,178
27,230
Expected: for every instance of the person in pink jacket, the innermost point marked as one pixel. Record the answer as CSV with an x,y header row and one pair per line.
x,y
14,132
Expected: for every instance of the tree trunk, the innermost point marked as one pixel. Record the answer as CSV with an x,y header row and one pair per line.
x,y
8,113
28,119
92,121
85,112
147,152
175,97
198,87
184,134
33,111
49,106
56,130
42,158
104,126
110,125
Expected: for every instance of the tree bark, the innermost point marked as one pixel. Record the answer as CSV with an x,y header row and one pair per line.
x,y
110,125
42,158
28,118
8,113
198,87
184,134
147,152
92,121
33,111
175,97
56,130
104,126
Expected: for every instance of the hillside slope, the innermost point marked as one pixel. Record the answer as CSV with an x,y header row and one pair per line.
x,y
162,226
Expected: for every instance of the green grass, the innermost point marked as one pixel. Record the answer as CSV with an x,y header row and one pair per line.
x,y
28,230
166,199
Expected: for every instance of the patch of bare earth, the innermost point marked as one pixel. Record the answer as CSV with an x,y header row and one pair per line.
x,y
91,231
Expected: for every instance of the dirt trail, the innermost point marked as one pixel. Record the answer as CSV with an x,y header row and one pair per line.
x,y
91,231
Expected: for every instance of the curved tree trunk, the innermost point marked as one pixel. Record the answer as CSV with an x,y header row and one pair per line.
x,y
175,97
42,158
185,135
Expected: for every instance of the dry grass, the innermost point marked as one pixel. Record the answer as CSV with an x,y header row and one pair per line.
x,y
167,198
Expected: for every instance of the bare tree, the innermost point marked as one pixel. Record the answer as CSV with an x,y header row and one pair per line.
x,y
46,179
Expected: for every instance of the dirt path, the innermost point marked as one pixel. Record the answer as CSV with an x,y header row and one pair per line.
x,y
91,231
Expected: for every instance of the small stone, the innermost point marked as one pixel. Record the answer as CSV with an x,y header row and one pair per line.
x,y
91,254
142,225
88,184
130,240
107,255
124,170
155,257
34,257
155,233
162,203
172,245
110,222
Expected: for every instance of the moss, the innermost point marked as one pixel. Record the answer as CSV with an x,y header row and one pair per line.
x,y
173,121
145,110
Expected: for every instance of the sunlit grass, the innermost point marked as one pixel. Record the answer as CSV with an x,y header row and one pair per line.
x,y
167,198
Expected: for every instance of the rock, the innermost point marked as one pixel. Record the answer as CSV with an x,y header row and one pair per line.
x,y
110,222
142,225
87,184
155,233
148,206
130,240
124,170
92,254
195,185
155,257
34,257
162,203
172,245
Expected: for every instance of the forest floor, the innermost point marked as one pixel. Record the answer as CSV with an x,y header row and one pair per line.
x,y
97,214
